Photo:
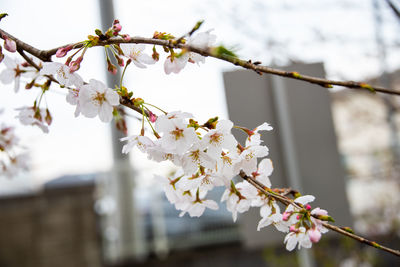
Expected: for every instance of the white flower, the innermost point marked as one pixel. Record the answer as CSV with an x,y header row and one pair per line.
x,y
204,182
299,236
62,73
73,99
202,40
196,157
177,138
248,158
240,201
169,188
96,99
318,223
255,138
30,116
142,142
12,73
225,166
197,207
274,219
220,138
175,64
263,172
159,154
270,213
135,53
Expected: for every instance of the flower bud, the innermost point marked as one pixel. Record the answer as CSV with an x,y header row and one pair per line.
x,y
62,51
152,117
286,215
314,234
293,229
126,37
308,207
48,117
75,65
111,67
9,44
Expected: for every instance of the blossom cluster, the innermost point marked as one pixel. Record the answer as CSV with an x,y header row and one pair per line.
x,y
209,156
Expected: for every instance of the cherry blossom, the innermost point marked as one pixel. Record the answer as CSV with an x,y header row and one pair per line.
x,y
32,116
142,142
248,158
177,136
202,40
135,53
176,63
96,99
197,206
13,72
62,73
195,157
297,236
254,138
238,199
220,138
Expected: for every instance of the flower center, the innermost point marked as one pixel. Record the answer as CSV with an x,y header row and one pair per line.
x,y
178,133
215,138
99,98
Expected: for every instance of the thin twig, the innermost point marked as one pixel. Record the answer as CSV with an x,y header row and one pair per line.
x,y
247,64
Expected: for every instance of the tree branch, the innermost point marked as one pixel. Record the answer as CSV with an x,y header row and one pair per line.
x,y
46,55
287,201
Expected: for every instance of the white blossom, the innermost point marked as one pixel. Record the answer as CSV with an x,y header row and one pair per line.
x,y
239,202
62,73
175,64
255,138
197,207
135,53
96,99
220,138
202,40
30,116
299,237
142,142
12,72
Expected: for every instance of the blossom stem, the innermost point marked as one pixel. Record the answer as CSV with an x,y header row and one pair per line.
x,y
156,108
123,73
151,125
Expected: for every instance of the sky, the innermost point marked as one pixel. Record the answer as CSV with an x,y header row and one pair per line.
x,y
339,33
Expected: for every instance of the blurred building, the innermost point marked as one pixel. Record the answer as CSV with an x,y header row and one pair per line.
x,y
56,226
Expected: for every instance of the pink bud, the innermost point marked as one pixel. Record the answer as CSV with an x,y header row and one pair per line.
x,y
293,229
62,51
126,37
308,207
117,28
152,117
298,217
314,234
9,44
286,216
75,65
